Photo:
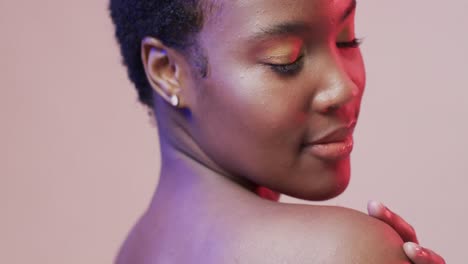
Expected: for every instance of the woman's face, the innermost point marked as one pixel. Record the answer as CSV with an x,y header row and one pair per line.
x,y
285,80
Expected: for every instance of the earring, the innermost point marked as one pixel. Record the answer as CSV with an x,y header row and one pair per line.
x,y
174,100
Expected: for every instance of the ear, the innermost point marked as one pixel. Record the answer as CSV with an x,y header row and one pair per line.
x,y
161,70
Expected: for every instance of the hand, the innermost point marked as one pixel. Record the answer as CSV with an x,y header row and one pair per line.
x,y
416,253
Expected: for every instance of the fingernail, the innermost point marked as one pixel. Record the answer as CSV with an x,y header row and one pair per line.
x,y
414,249
411,247
374,207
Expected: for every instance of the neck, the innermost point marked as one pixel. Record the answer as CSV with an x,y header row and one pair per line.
x,y
186,178
187,172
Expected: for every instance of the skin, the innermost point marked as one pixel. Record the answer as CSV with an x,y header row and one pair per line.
x,y
246,125
270,116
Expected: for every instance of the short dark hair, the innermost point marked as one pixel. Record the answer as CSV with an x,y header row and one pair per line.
x,y
174,22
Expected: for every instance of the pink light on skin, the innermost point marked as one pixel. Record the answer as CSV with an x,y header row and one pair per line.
x,y
267,194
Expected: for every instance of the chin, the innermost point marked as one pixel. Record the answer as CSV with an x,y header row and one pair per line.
x,y
330,184
323,194
333,192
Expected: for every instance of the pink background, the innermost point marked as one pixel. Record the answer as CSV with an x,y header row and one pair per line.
x,y
79,157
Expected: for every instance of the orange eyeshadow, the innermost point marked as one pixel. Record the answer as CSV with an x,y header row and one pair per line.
x,y
284,50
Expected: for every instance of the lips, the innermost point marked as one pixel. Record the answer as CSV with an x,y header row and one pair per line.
x,y
332,150
334,145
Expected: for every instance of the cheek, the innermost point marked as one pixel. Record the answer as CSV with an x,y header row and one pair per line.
x,y
260,105
356,69
272,109
260,120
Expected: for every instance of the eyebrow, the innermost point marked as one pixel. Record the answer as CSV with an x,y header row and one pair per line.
x,y
282,29
298,27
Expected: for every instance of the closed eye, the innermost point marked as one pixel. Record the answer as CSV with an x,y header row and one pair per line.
x,y
288,69
355,43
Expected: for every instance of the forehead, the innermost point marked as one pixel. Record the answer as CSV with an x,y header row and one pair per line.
x,y
241,18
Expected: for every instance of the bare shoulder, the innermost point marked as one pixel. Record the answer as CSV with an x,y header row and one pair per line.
x,y
289,233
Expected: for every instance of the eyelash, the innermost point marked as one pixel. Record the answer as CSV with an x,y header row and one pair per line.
x,y
294,67
353,44
287,69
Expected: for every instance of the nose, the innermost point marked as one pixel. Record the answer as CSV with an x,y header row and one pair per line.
x,y
336,91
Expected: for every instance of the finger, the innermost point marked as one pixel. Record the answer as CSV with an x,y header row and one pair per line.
x,y
421,255
405,230
435,257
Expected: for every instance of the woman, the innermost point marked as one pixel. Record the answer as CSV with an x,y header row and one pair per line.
x,y
253,98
